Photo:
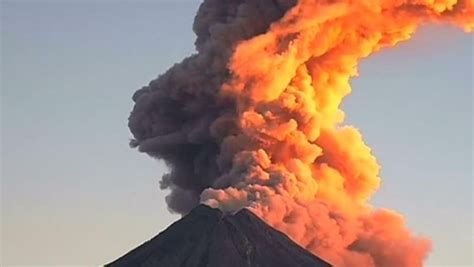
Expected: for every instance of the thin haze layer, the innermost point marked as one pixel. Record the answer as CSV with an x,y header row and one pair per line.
x,y
253,120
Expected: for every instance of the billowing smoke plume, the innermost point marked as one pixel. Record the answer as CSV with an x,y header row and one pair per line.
x,y
253,120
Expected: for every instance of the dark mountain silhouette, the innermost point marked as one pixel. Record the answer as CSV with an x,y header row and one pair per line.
x,y
207,237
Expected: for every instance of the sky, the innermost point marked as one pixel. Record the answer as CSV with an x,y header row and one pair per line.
x,y
74,193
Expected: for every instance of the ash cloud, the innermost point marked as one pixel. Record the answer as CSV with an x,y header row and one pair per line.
x,y
253,120
173,114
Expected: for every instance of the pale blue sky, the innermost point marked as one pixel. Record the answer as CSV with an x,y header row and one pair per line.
x,y
73,192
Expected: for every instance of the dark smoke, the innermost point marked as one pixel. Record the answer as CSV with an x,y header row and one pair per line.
x,y
179,116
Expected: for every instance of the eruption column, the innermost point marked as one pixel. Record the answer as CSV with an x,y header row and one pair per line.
x,y
252,120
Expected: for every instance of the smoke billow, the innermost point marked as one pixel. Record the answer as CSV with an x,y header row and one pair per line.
x,y
252,120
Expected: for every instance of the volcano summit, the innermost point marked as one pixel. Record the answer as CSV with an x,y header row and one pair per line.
x,y
207,237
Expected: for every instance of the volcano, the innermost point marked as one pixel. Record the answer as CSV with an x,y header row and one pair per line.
x,y
207,237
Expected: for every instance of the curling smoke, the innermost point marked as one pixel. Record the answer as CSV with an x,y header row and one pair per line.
x,y
253,120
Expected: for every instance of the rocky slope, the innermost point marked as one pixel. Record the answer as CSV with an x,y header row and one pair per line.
x,y
208,238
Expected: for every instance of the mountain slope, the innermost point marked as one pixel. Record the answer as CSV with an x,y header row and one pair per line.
x,y
208,238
